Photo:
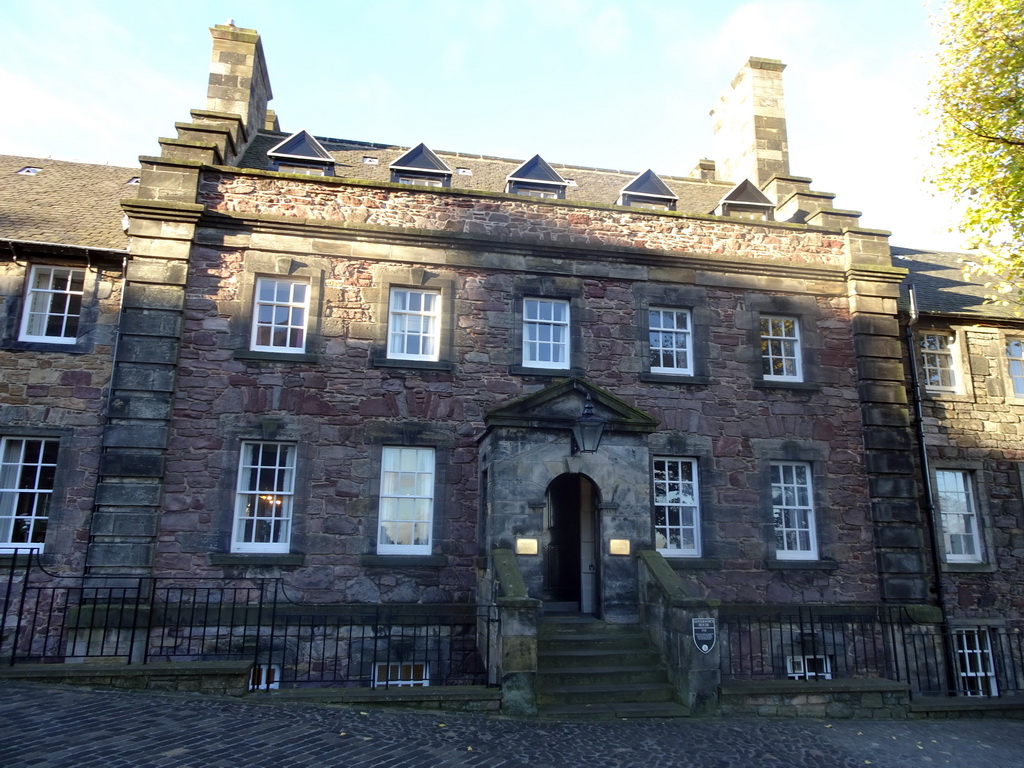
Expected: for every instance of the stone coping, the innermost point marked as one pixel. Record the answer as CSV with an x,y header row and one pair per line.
x,y
935,705
812,687
110,668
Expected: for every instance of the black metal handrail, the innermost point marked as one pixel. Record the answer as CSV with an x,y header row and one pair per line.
x,y
46,619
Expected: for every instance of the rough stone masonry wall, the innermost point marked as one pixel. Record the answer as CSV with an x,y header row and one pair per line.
x,y
50,391
982,430
514,220
338,406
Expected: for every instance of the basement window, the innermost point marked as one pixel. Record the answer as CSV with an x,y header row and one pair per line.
x,y
265,677
401,675
814,667
976,674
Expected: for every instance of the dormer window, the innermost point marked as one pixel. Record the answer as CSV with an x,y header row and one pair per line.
x,y
301,153
419,167
30,170
746,201
535,178
648,191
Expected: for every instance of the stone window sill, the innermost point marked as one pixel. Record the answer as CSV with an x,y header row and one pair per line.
x,y
78,348
671,378
968,567
419,365
255,558
403,561
801,565
551,373
804,386
274,357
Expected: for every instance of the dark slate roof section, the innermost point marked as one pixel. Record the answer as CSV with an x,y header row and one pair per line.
x,y
71,203
746,193
647,184
599,186
537,170
940,287
301,146
420,158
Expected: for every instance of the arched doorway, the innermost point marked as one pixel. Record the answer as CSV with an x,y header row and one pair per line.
x,y
571,573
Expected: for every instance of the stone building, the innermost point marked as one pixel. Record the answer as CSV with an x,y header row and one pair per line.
x,y
407,377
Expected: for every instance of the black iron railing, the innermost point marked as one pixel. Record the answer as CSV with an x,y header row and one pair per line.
x,y
825,644
47,618
804,644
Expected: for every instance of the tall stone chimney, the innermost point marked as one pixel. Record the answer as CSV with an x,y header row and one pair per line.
x,y
750,125
239,83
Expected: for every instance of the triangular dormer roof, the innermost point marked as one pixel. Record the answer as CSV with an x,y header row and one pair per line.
x,y
301,146
647,184
421,158
746,193
537,171
746,200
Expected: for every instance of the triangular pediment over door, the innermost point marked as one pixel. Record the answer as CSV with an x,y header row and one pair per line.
x,y
559,406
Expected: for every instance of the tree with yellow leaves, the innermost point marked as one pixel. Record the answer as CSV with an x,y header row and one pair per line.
x,y
977,100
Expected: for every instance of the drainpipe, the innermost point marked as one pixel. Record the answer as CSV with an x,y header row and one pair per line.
x,y
117,341
929,496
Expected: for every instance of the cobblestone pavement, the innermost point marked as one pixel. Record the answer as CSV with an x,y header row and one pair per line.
x,y
48,726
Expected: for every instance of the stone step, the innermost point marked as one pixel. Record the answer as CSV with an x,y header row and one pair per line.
x,y
593,640
590,669
609,693
618,673
595,657
614,711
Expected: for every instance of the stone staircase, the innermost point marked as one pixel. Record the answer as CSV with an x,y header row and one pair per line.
x,y
587,668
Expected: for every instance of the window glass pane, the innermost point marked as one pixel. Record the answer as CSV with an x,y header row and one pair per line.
x,y
53,304
676,510
280,315
959,517
793,511
780,348
414,324
264,498
406,500
27,472
546,333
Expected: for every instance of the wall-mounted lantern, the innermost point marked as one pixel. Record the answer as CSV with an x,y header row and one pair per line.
x,y
587,430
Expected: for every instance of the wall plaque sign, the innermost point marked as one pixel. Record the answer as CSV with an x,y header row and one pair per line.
x,y
704,634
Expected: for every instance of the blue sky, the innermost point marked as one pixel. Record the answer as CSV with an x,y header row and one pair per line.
x,y
604,83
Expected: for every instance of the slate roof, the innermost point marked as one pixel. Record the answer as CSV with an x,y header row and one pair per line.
x,y
593,185
71,203
940,288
